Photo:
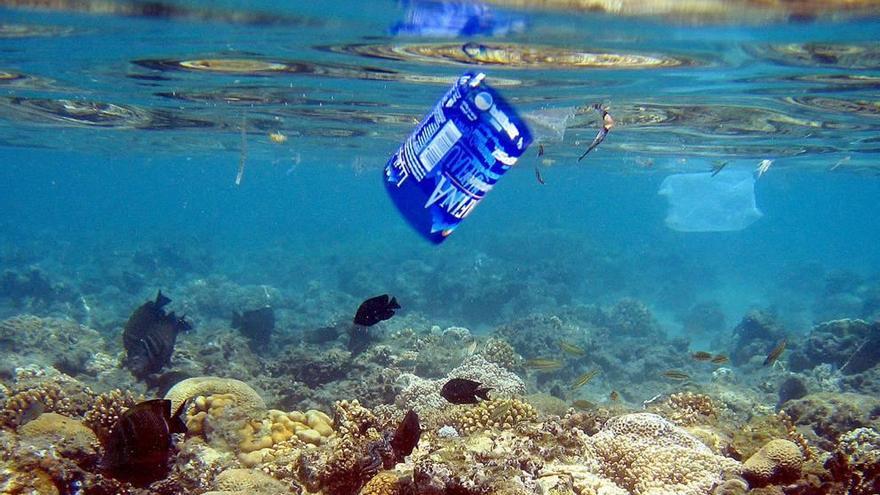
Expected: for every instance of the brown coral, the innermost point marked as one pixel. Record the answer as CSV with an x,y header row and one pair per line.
x,y
384,483
244,396
107,408
688,408
780,461
501,353
499,414
68,436
47,397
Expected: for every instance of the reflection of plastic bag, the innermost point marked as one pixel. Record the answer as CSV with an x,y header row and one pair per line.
x,y
451,19
702,203
548,124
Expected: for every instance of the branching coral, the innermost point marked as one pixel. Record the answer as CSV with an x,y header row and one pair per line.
x,y
36,391
501,353
106,409
687,408
499,414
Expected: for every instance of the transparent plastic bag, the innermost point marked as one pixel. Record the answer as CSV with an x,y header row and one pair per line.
x,y
703,203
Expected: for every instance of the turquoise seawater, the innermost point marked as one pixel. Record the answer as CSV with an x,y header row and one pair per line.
x,y
231,155
110,144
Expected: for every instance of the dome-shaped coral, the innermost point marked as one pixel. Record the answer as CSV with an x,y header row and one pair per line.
x,y
779,461
648,455
67,435
242,394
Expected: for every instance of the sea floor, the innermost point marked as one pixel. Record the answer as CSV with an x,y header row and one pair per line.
x,y
585,398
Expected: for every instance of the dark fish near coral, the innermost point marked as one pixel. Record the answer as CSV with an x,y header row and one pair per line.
x,y
149,337
614,396
571,349
775,353
701,356
676,375
139,447
464,391
407,435
257,325
720,359
584,379
376,309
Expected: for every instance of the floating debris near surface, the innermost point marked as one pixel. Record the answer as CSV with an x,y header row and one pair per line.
x,y
517,55
763,167
607,124
278,137
717,167
242,157
539,177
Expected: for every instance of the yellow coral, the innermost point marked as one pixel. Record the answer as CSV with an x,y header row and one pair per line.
x,y
48,396
777,461
498,413
243,395
384,483
67,435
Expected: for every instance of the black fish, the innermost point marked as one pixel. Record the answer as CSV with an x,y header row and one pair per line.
x,y
406,437
149,337
138,449
257,325
464,391
375,309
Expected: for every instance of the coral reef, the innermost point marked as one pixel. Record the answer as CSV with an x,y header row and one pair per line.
x,y
645,454
423,395
241,393
850,346
779,461
829,415
754,336
491,414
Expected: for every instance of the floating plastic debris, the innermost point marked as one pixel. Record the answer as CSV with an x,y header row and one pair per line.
x,y
444,19
703,203
454,157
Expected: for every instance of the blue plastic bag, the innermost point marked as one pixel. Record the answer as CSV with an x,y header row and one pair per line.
x,y
454,157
